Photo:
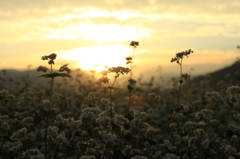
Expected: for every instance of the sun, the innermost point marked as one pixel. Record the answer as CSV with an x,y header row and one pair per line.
x,y
98,58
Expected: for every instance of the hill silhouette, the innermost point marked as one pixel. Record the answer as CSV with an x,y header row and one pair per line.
x,y
229,74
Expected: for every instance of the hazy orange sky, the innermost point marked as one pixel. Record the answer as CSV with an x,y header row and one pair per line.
x,y
89,32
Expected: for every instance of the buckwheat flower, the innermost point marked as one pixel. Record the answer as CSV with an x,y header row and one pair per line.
x,y
192,140
233,90
105,101
15,146
137,114
180,55
64,68
87,157
27,120
103,120
169,145
235,128
120,120
173,125
107,137
42,69
228,149
40,93
214,122
237,116
87,113
174,59
97,94
200,124
132,81
52,131
52,56
185,76
139,157
151,95
31,136
5,126
213,95
67,121
119,69
233,99
45,104
32,154
126,150
19,135
134,43
190,124
207,112
62,137
44,57
184,108
4,117
170,156
205,144
104,72
90,151
157,155
234,137
11,96
202,134
77,123
4,93
59,117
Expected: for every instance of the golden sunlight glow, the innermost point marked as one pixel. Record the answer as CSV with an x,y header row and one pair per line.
x,y
100,33
88,58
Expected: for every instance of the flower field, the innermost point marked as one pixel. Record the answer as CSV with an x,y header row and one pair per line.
x,y
103,119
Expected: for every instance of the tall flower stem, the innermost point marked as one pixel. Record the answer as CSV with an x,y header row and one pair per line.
x,y
178,101
130,86
47,114
111,109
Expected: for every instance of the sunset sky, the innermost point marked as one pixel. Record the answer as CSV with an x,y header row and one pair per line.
x,y
84,33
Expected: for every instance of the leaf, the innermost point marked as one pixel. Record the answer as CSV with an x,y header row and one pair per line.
x,y
55,74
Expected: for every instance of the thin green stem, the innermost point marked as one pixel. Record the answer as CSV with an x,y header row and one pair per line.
x,y
47,116
130,92
178,102
111,109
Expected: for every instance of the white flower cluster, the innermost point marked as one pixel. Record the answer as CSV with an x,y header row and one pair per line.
x,y
169,145
191,125
126,150
139,157
170,156
51,131
107,137
228,149
204,113
18,135
62,137
120,120
87,157
233,91
4,94
68,122
32,154
149,130
104,117
90,113
213,95
4,122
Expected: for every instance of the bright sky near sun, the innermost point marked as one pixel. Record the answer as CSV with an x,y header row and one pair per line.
x,y
98,32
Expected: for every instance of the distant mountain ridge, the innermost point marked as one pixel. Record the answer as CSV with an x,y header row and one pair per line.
x,y
228,74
